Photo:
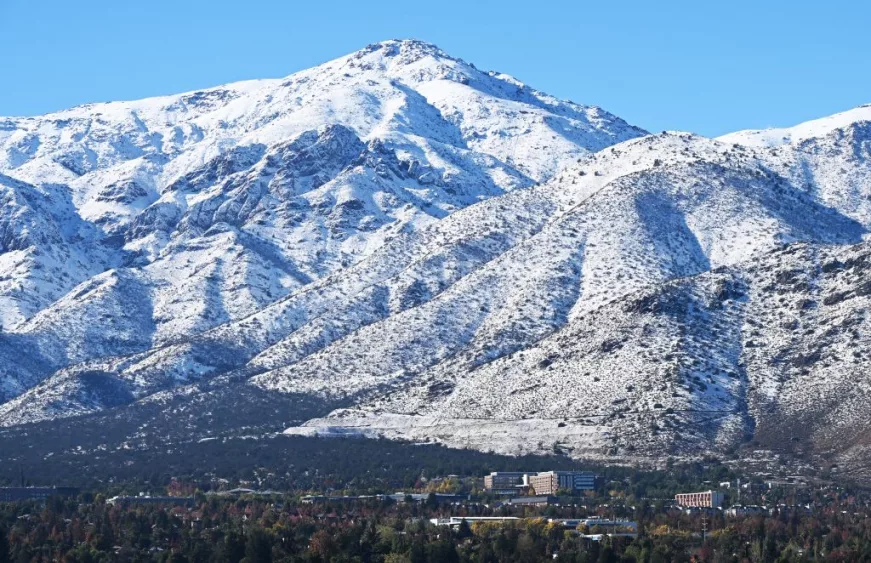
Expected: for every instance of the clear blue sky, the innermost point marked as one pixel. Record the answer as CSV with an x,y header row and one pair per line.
x,y
703,66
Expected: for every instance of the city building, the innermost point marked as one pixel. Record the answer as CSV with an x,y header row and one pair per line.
x,y
455,521
738,511
506,482
312,499
549,482
143,499
11,494
598,523
397,497
706,499
753,487
785,484
424,497
790,508
533,501
600,537
243,492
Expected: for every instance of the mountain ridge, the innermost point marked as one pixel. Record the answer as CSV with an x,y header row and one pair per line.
x,y
220,201
464,248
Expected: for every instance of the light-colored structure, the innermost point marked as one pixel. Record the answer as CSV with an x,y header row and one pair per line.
x,y
706,499
533,501
595,521
741,511
506,482
548,483
144,499
12,494
616,527
455,521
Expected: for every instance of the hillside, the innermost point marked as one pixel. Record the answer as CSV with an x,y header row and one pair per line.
x,y
415,249
135,224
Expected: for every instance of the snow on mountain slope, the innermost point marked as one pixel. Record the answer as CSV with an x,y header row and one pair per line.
x,y
813,129
407,93
42,255
489,280
830,158
395,277
774,349
221,201
353,235
675,220
423,264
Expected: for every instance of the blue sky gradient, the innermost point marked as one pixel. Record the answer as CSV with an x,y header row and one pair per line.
x,y
708,67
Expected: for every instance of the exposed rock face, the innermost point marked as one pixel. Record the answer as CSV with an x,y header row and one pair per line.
x,y
446,255
220,202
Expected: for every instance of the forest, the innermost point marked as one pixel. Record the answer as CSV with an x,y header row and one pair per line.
x,y
88,529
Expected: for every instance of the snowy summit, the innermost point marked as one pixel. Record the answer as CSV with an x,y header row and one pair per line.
x,y
427,251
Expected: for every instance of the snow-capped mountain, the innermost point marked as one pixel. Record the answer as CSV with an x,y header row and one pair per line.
x,y
134,224
431,252
826,157
807,131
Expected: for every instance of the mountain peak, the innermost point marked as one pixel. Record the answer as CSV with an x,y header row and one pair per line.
x,y
219,202
776,136
401,55
405,48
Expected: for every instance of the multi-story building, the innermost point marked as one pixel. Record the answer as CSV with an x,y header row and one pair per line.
x,y
596,522
533,501
143,499
455,521
10,494
740,511
506,482
548,483
706,499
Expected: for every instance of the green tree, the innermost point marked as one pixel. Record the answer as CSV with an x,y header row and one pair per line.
x,y
432,500
258,547
441,552
233,548
5,556
463,530
607,555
